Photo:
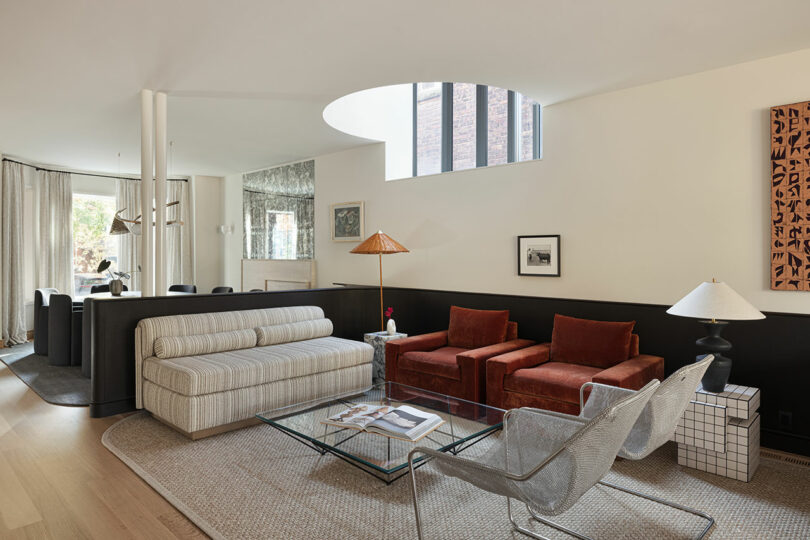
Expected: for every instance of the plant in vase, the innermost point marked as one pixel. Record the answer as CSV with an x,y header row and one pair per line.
x,y
116,285
391,326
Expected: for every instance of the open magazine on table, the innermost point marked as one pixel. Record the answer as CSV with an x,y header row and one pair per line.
x,y
401,422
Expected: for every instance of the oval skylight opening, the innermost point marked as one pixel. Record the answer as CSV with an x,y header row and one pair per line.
x,y
431,128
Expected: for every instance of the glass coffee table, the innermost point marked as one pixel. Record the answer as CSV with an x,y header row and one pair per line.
x,y
465,423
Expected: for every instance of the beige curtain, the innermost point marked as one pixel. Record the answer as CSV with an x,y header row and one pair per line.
x,y
55,239
128,198
178,239
12,294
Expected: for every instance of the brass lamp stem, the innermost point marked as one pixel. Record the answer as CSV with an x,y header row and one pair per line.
x,y
382,326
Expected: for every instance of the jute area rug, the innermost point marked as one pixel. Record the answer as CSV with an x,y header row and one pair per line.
x,y
260,483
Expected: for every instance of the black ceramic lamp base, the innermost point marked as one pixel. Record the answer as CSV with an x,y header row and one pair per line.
x,y
719,370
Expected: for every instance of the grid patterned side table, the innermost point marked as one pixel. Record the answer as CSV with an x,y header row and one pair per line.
x,y
719,433
377,340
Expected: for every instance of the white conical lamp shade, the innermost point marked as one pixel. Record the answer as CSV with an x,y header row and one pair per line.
x,y
715,300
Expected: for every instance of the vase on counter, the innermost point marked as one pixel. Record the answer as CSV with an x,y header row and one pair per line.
x,y
116,287
391,327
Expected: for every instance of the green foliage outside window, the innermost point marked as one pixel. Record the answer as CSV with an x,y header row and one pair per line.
x,y
91,240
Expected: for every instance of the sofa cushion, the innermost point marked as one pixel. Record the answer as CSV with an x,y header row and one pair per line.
x,y
175,346
222,321
203,374
297,331
553,380
476,328
441,362
591,343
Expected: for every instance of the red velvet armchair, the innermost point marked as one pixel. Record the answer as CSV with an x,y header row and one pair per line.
x,y
453,361
549,375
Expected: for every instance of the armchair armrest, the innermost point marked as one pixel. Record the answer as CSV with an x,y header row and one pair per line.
x,y
473,363
397,347
424,342
633,373
485,353
502,365
520,359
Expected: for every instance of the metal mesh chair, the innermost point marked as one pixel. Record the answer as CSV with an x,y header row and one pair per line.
x,y
657,422
545,459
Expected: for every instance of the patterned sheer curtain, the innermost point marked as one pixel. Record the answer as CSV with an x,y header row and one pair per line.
x,y
279,212
55,238
178,239
12,294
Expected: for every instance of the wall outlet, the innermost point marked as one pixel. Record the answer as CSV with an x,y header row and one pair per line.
x,y
785,420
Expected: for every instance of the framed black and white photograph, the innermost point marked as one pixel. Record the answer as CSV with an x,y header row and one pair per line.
x,y
539,255
347,222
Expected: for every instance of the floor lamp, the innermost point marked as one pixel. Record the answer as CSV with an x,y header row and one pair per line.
x,y
380,244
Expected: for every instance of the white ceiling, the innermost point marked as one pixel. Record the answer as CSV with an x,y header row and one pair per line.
x,y
248,79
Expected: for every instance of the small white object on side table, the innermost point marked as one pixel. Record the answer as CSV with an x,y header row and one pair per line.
x,y
378,340
719,433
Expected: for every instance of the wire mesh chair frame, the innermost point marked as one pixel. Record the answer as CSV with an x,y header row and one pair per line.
x,y
549,479
655,425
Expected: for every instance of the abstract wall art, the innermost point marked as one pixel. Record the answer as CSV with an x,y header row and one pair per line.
x,y
790,197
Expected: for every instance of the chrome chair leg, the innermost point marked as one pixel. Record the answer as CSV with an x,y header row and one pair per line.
x,y
517,527
556,525
707,517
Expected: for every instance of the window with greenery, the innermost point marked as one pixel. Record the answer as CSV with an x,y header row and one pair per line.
x,y
460,126
92,215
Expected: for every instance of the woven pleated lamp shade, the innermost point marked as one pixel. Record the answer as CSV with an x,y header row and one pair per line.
x,y
380,243
118,226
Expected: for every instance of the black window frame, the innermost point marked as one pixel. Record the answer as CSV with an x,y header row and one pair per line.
x,y
481,128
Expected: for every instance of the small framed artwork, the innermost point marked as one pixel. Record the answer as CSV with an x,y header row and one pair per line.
x,y
539,255
347,222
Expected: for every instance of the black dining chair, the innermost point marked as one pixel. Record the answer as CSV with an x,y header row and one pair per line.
x,y
183,288
102,288
221,290
41,305
256,290
61,329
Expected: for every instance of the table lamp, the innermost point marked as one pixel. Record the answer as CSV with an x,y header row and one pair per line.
x,y
380,244
712,302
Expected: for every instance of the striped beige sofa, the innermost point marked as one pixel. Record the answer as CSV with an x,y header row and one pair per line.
x,y
209,372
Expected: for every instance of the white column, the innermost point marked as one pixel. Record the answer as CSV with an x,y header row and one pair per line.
x,y
147,200
161,266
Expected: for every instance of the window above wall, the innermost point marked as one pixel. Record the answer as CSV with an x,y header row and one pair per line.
x,y
436,127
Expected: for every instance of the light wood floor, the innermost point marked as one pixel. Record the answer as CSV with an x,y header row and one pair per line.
x,y
58,481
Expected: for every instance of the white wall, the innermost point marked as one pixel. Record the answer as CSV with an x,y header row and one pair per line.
x,y
208,243
653,189
232,217
379,114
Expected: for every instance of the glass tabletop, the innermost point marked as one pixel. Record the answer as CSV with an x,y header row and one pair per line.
x,y
465,423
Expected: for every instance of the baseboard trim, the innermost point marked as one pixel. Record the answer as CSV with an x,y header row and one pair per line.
x,y
110,408
785,457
